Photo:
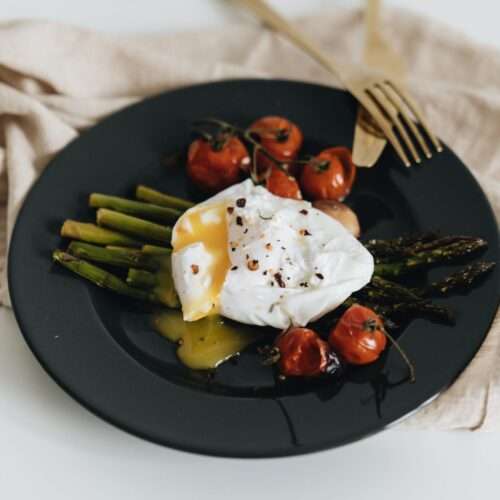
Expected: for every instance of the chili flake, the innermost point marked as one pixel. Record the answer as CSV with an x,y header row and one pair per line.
x,y
253,265
279,280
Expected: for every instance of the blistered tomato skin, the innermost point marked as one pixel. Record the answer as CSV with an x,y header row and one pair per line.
x,y
281,184
329,176
280,137
302,353
212,169
359,336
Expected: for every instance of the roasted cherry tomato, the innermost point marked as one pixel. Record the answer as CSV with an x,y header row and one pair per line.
x,y
215,165
281,184
359,336
302,353
280,137
329,176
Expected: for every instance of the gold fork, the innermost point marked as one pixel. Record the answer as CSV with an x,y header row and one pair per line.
x,y
377,94
369,141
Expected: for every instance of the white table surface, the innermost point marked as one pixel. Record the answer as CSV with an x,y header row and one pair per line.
x,y
52,448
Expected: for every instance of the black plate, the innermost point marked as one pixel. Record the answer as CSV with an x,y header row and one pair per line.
x,y
102,352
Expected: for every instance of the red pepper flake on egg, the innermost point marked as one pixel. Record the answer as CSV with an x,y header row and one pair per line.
x,y
253,265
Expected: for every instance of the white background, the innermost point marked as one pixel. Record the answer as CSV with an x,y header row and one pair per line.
x,y
51,448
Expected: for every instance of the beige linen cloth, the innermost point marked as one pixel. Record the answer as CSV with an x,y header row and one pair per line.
x,y
56,80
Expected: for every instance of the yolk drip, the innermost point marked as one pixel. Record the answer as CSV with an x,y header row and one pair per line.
x,y
208,226
205,343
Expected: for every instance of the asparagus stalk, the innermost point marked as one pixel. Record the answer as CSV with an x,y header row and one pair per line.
x,y
394,251
447,253
397,292
392,300
137,208
114,256
142,279
159,283
397,247
134,226
148,250
459,280
408,310
440,242
380,296
155,250
100,277
149,195
95,234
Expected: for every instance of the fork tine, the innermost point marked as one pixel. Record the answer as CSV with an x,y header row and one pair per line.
x,y
367,101
415,110
396,102
385,103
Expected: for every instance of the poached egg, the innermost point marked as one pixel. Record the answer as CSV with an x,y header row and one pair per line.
x,y
259,259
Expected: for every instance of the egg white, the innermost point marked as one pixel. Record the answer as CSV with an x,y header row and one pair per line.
x,y
289,263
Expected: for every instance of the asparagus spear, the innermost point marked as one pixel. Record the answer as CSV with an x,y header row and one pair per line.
x,y
459,280
95,234
114,256
134,226
149,195
388,296
393,251
142,279
160,283
446,253
148,250
392,300
399,292
155,250
440,242
137,208
408,310
100,277
406,240
397,247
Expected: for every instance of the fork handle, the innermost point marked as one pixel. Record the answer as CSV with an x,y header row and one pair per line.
x,y
372,15
277,22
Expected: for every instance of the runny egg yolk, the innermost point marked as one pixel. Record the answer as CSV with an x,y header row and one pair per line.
x,y
207,226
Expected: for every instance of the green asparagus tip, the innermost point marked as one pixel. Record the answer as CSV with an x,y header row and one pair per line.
x,y
60,256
